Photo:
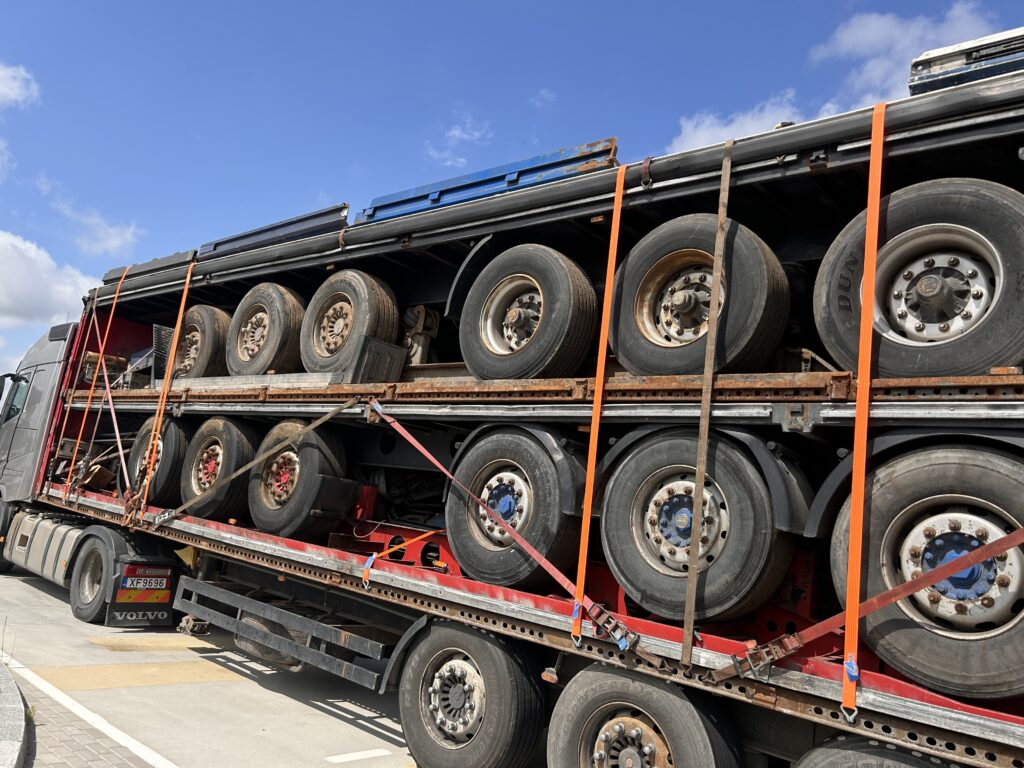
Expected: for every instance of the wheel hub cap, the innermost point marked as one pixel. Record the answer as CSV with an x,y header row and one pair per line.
x,y
254,335
976,599
668,522
511,314
508,494
336,326
456,700
208,465
629,742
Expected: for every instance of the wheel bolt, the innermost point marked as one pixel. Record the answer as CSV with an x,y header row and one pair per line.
x,y
977,293
915,553
618,728
1002,580
702,278
972,273
704,539
919,326
603,737
709,519
1001,556
915,574
987,601
934,597
687,490
961,608
966,314
981,533
901,314
657,539
463,720
599,756
636,733
943,327
649,749
514,523
929,533
671,491
652,520
897,294
908,274
954,525
671,551
432,707
929,262
664,307
953,261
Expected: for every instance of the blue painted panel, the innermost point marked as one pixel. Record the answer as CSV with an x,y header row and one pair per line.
x,y
562,164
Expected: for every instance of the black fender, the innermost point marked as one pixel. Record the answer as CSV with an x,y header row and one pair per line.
x,y
123,548
789,503
485,249
833,492
393,671
560,448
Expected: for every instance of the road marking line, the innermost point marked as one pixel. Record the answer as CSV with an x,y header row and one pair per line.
x,y
351,757
137,748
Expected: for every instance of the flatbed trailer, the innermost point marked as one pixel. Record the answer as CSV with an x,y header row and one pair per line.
x,y
371,579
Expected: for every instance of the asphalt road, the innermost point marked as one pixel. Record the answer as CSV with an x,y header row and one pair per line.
x,y
158,698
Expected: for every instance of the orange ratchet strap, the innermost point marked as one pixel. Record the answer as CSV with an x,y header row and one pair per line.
x,y
165,389
862,413
92,385
595,413
401,545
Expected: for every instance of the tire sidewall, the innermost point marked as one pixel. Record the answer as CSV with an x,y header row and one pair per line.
x,y
95,610
722,586
237,444
546,528
361,293
164,486
558,312
280,350
212,325
987,208
746,296
912,647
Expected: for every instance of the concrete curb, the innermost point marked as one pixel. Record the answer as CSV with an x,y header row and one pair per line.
x,y
12,721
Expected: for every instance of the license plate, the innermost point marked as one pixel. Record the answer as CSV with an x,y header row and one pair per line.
x,y
151,582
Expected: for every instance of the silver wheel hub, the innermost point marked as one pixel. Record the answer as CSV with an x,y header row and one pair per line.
x,y
511,315
456,700
508,495
666,528
629,742
935,284
673,300
253,334
92,577
280,476
981,598
336,326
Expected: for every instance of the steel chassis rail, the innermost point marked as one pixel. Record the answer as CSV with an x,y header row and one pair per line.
x,y
928,723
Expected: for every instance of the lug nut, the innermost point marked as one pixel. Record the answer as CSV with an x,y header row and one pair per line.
x,y
652,520
670,491
702,278
919,327
636,733
972,273
657,539
704,539
618,728
987,601
929,262
687,490
649,749
966,314
953,261
908,274
672,551
915,553
1001,556
901,314
664,307
961,608
599,756
981,534
977,293
1002,580
929,533
934,597
603,737
897,294
954,525
915,574
943,327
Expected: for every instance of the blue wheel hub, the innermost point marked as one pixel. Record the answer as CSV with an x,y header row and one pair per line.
x,y
968,584
502,499
675,520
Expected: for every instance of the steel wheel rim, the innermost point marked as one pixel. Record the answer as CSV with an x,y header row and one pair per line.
x,y
661,518
333,325
279,478
944,526
621,735
156,456
92,577
505,487
452,698
673,299
188,350
207,465
511,314
936,284
252,333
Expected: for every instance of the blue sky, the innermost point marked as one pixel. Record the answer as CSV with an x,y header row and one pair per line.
x,y
131,130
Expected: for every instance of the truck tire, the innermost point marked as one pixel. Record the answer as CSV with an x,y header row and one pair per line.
x,y
265,331
844,751
531,313
645,528
455,674
217,449
348,307
956,239
89,582
6,515
285,488
165,484
516,477
926,507
200,350
618,713
663,296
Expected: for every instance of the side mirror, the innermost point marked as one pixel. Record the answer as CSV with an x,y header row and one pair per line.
x,y
16,378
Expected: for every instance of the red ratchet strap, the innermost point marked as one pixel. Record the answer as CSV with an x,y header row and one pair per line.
x,y
595,412
92,385
758,659
862,413
603,621
158,424
401,545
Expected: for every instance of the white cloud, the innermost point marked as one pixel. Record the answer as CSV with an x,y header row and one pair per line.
x,y
882,45
445,157
545,97
878,46
28,268
17,87
704,128
97,236
467,129
43,183
6,161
